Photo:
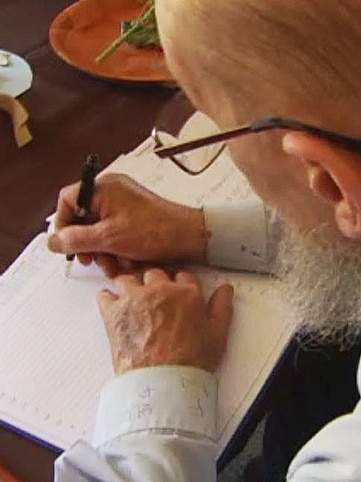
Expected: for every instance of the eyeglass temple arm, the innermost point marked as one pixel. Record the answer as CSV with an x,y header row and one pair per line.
x,y
349,143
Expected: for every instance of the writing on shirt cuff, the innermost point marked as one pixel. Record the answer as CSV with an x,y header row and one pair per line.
x,y
237,234
162,397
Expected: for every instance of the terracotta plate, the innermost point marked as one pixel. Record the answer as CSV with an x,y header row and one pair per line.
x,y
83,30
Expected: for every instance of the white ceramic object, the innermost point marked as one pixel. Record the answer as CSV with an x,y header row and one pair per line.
x,y
16,77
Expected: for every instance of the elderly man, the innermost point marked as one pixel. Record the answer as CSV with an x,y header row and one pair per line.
x,y
240,61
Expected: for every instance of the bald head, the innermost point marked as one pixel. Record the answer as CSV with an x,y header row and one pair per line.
x,y
267,51
240,60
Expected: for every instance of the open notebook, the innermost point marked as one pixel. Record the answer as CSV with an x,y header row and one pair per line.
x,y
54,353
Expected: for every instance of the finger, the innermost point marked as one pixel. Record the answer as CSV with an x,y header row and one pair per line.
x,y
106,300
173,269
85,258
108,264
220,310
66,205
77,239
125,282
127,266
155,275
187,277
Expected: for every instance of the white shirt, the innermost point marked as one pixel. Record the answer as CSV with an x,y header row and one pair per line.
x,y
140,438
137,438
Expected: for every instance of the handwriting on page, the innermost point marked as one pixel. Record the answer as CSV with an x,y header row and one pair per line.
x,y
222,183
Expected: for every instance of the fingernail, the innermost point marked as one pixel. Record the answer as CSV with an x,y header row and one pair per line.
x,y
54,243
106,296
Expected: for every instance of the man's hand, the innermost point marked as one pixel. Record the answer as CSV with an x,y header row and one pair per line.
x,y
156,321
128,222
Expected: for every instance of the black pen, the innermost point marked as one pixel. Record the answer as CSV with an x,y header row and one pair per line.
x,y
84,200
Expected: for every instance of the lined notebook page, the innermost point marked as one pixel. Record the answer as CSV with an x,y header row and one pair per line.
x,y
258,336
54,354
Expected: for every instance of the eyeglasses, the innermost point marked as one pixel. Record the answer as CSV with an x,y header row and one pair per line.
x,y
199,158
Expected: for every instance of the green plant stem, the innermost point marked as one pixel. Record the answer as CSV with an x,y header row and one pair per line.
x,y
123,38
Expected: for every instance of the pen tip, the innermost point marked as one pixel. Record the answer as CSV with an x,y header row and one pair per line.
x,y
68,268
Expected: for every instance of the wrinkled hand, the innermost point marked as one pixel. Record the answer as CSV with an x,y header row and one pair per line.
x,y
157,321
128,222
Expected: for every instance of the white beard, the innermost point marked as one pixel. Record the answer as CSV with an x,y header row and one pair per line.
x,y
321,282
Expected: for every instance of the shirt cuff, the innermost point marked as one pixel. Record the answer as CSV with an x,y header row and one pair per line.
x,y
164,397
237,235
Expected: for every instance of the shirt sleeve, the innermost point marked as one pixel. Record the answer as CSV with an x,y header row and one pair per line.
x,y
237,235
333,454
153,424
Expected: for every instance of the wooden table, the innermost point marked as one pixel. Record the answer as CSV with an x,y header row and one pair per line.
x,y
71,114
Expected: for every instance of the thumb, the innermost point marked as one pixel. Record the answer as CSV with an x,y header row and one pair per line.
x,y
106,300
220,310
75,239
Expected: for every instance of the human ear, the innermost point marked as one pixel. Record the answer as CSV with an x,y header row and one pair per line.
x,y
334,174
